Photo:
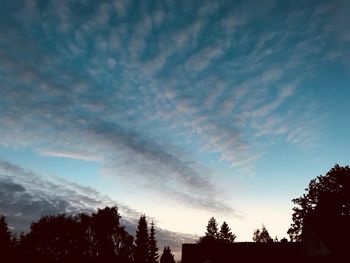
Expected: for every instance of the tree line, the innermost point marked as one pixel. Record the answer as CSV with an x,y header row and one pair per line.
x,y
99,237
225,235
326,204
92,238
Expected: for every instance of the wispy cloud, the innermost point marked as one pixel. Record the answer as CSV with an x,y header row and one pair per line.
x,y
127,84
73,155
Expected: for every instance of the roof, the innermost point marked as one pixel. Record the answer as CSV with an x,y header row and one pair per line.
x,y
241,252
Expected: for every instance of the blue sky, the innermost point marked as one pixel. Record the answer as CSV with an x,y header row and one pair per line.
x,y
178,109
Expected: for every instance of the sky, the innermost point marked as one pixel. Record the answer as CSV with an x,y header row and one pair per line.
x,y
181,110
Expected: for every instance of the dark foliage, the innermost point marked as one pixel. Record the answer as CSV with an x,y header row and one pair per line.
x,y
327,196
141,254
110,239
94,238
99,237
262,236
225,234
53,238
82,238
167,256
6,243
214,236
153,247
5,235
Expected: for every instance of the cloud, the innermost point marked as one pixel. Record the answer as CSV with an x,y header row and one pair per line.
x,y
72,155
202,59
108,139
231,22
121,7
25,196
130,85
266,109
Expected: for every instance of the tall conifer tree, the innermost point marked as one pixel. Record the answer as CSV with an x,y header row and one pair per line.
x,y
212,233
141,254
153,247
225,234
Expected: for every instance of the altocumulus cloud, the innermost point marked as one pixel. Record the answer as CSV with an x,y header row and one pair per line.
x,y
25,196
147,87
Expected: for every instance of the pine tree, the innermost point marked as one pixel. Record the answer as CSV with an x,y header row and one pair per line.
x,y
153,247
167,256
212,234
212,228
141,254
225,234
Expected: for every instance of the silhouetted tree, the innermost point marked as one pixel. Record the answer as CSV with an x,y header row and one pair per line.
x,y
326,197
225,234
212,233
111,240
153,247
86,236
53,239
83,238
125,247
5,239
262,235
167,256
141,254
105,238
19,248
